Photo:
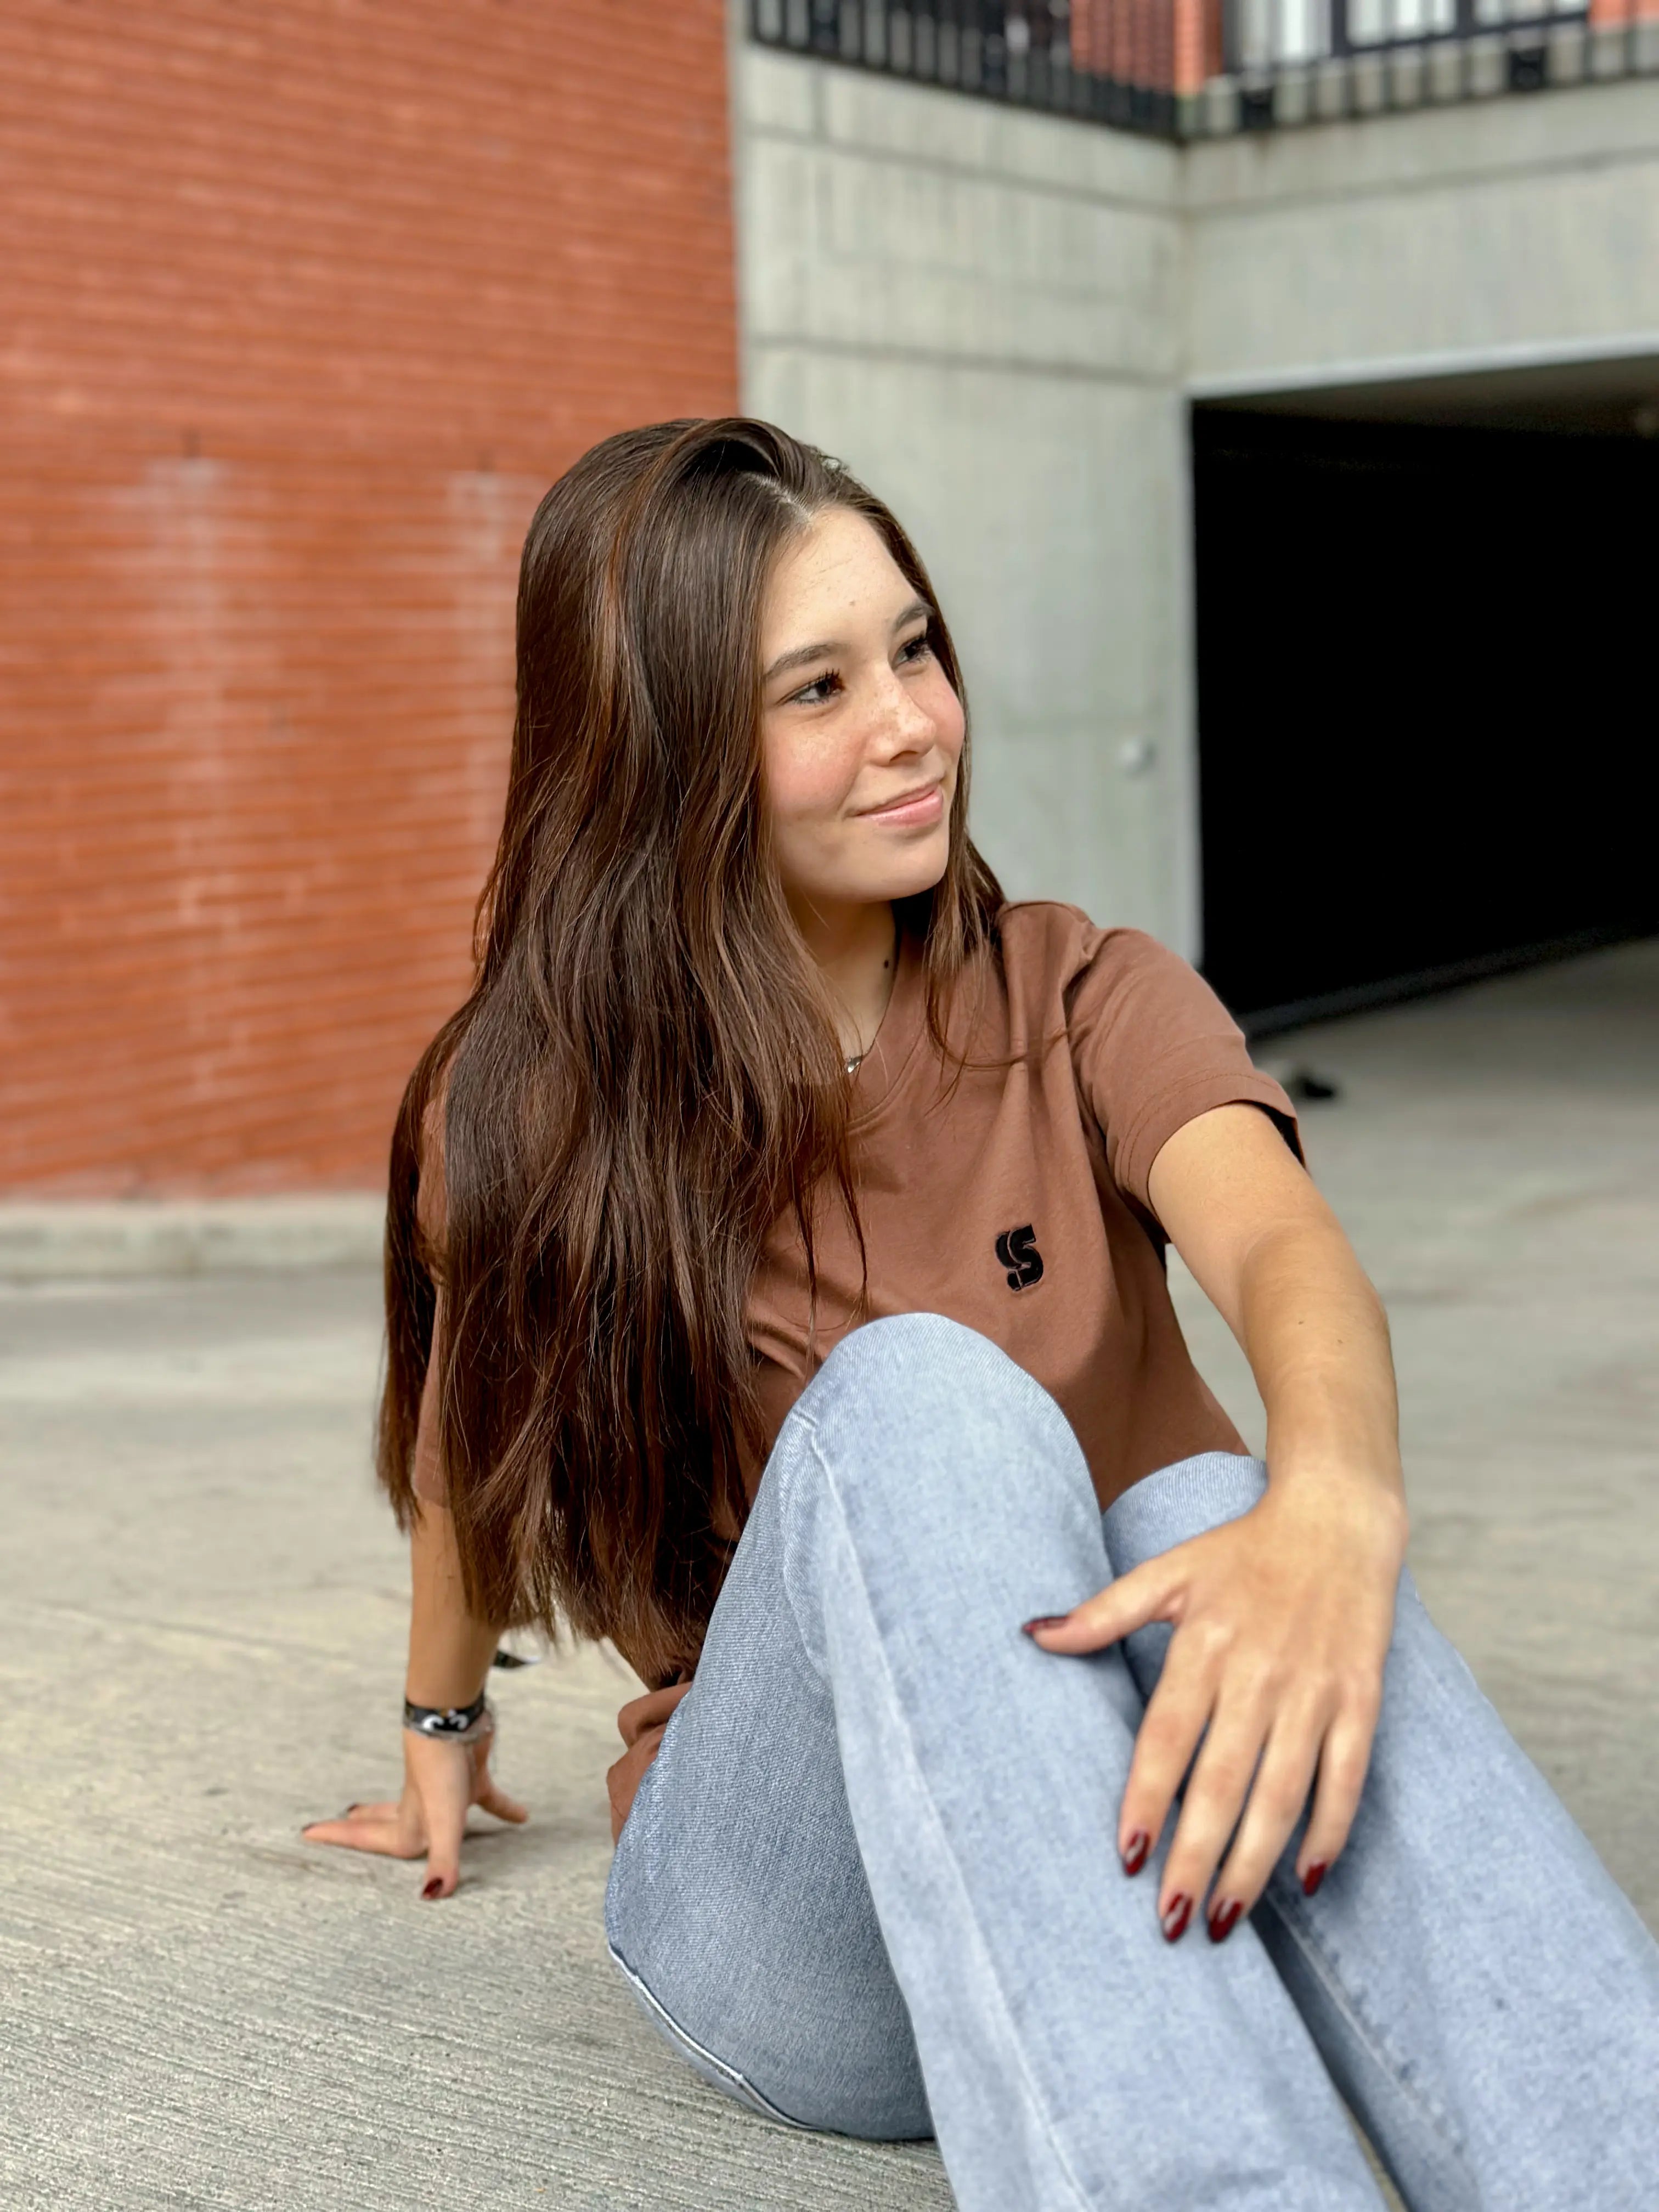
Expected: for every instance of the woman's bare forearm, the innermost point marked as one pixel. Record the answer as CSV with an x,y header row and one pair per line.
x,y
1273,1258
449,1650
1317,1338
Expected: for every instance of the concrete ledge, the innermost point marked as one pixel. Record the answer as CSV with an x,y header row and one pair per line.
x,y
933,126
46,1240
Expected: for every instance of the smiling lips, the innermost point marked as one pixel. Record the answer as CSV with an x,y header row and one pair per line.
x,y
911,809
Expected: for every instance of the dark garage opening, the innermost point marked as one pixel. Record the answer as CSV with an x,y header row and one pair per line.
x,y
1426,673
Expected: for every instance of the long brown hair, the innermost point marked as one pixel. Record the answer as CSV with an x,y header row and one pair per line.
x,y
646,1075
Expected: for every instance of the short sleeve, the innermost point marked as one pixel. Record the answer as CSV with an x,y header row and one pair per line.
x,y
1154,1048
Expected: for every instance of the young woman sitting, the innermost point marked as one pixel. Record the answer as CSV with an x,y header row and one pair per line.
x,y
776,1285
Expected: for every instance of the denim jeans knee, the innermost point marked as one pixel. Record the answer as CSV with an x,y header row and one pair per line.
x,y
935,1400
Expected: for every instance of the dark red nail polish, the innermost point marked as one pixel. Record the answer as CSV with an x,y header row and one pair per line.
x,y
1224,1919
1135,1851
1178,1913
434,1887
1043,1620
1315,1875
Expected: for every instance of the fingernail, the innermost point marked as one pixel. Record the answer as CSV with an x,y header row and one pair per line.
x,y
1178,1913
1043,1620
434,1887
1315,1875
1135,1851
1222,1919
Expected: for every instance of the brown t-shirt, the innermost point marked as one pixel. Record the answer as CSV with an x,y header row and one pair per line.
x,y
1012,1196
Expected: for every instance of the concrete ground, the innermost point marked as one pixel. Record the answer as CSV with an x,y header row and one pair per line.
x,y
202,1616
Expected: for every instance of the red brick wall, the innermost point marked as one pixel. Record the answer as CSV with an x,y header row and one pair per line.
x,y
1171,45
302,306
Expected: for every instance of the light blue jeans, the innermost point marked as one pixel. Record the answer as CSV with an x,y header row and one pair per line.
x,y
870,1884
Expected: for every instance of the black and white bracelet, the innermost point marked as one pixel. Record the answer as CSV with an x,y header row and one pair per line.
x,y
454,1723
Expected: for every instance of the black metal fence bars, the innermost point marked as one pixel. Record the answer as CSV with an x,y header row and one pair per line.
x,y
1188,69
1035,54
1315,61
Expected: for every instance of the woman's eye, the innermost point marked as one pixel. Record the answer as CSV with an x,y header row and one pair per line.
x,y
815,694
917,648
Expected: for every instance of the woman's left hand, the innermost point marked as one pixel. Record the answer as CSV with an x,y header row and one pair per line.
x,y
443,1782
1282,1622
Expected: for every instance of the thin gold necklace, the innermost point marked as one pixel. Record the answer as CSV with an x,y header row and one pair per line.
x,y
857,1060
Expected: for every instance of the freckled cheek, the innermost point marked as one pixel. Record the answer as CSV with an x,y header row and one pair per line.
x,y
809,785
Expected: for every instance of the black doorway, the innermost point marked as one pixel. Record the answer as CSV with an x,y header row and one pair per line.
x,y
1427,702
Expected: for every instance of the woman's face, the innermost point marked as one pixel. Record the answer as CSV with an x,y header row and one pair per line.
x,y
862,730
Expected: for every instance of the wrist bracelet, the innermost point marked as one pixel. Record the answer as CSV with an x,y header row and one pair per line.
x,y
451,1724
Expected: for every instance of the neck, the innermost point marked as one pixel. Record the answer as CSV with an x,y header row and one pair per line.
x,y
856,948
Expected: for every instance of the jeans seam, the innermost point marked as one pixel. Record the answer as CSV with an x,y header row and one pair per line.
x,y
1300,1931
932,1809
1298,1921
660,2012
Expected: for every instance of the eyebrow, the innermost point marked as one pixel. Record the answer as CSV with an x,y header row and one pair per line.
x,y
803,655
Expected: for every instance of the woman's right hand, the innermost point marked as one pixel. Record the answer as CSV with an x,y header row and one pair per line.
x,y
442,1782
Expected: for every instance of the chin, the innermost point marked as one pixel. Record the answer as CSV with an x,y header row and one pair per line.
x,y
874,879
906,883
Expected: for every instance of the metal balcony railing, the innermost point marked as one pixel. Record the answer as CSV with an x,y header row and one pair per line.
x,y
1188,69
1034,53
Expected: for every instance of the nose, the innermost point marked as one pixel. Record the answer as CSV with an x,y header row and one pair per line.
x,y
903,723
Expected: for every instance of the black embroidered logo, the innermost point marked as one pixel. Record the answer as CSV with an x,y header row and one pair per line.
x,y
1017,1249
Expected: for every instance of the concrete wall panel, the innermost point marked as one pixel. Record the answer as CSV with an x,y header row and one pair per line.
x,y
943,130
849,250
1521,224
